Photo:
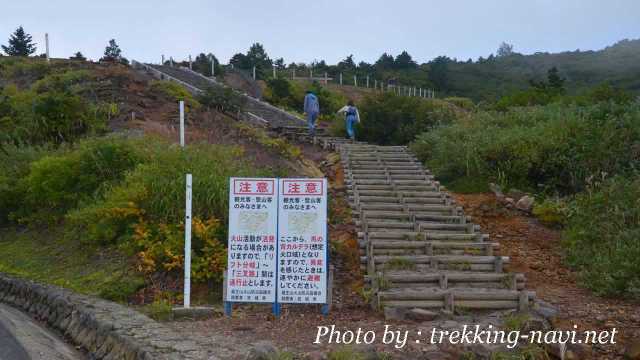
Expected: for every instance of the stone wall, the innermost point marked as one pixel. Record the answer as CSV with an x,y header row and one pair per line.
x,y
104,329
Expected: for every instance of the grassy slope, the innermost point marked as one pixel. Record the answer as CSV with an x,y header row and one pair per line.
x,y
49,257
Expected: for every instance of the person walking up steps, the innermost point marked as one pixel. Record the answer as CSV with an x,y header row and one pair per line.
x,y
311,110
352,116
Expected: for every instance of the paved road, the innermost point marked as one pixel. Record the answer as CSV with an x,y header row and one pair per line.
x,y
21,338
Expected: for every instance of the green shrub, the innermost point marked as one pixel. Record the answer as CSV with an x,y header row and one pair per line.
x,y
388,119
551,212
29,117
602,235
59,182
222,99
553,148
159,310
14,165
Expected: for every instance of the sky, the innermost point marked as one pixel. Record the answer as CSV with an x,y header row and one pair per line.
x,y
304,31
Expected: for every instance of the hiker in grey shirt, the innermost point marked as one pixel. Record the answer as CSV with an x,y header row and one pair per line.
x,y
311,110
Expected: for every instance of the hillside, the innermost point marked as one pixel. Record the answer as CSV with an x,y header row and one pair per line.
x,y
618,65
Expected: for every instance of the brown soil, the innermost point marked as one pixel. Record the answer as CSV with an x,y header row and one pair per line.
x,y
535,250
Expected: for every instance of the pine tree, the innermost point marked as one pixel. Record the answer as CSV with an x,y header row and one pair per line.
x,y
20,44
112,51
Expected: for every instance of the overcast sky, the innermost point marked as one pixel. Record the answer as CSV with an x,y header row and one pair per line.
x,y
302,31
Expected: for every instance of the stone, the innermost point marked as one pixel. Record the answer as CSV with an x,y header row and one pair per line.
x,y
421,315
633,350
392,313
545,309
262,350
515,194
495,188
525,203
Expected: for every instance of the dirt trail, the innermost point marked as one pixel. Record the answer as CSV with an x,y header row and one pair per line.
x,y
535,251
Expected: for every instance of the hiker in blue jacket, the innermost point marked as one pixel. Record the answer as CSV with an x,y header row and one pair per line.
x,y
352,116
311,110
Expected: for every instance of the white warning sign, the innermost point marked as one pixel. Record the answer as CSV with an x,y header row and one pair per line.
x,y
251,262
302,241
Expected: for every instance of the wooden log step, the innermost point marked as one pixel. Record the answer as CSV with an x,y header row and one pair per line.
x,y
388,225
405,194
467,304
435,245
414,277
409,171
451,219
467,228
448,259
382,207
378,199
458,294
450,209
373,214
428,187
394,234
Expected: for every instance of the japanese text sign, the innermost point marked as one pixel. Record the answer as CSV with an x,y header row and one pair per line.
x,y
251,262
302,241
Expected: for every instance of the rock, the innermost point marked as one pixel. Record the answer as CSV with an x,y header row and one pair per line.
x,y
525,203
262,350
391,313
516,194
421,315
545,309
633,350
570,351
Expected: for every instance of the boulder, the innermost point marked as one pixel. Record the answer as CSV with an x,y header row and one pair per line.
x,y
392,313
525,203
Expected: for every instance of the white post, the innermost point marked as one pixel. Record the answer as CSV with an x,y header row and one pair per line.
x,y
340,78
162,63
190,66
187,244
355,80
326,79
367,81
181,123
375,84
171,60
274,72
254,73
213,67
311,74
46,40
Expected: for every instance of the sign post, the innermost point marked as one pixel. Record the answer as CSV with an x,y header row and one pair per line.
x,y
251,263
181,123
187,244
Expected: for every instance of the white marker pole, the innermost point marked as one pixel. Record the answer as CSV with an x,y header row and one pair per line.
x,y
181,123
187,245
355,80
46,40
162,63
340,78
190,66
367,81
274,72
254,73
213,67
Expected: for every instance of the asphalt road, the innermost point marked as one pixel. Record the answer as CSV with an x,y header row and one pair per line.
x,y
22,338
